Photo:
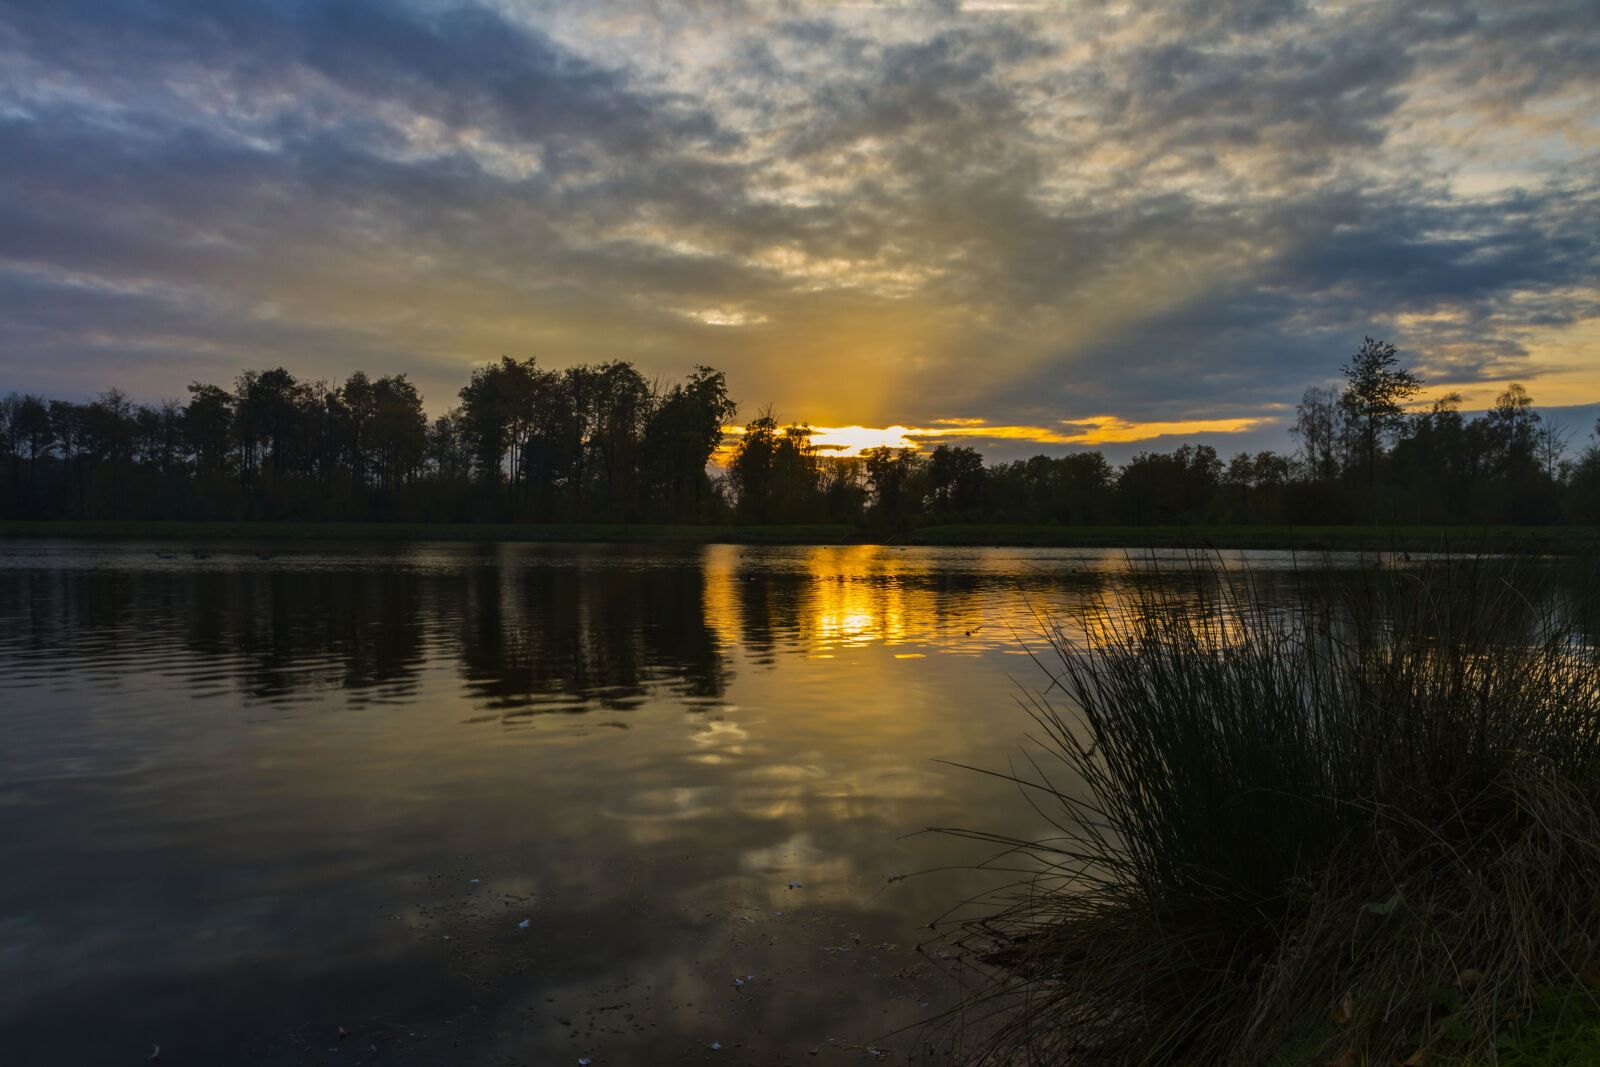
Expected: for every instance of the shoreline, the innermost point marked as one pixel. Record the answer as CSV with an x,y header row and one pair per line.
x,y
1564,540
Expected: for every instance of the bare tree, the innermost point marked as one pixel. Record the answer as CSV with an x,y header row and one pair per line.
x,y
1316,426
1551,445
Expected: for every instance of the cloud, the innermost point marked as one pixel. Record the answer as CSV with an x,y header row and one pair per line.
x,y
1026,216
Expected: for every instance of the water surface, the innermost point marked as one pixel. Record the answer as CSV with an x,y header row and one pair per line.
x,y
487,804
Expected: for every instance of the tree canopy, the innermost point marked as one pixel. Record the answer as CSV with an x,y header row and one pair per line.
x,y
601,443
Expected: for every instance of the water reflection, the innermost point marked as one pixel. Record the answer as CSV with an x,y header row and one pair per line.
x,y
248,801
532,629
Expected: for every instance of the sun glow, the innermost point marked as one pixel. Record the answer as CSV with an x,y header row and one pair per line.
x,y
1096,430
853,440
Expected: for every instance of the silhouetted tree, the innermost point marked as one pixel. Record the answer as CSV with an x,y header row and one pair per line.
x,y
1179,486
1376,389
29,431
956,478
1583,489
776,473
681,434
897,479
844,489
1319,427
1252,488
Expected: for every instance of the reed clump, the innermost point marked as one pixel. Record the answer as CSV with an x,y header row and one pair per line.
x,y
1351,822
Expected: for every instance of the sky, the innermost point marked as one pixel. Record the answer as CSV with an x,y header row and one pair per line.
x,y
1027,225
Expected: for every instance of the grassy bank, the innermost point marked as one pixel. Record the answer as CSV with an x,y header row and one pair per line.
x,y
1360,829
1474,539
406,531
1471,539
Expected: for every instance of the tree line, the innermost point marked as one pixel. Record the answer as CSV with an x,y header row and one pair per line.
x,y
602,443
1361,457
524,443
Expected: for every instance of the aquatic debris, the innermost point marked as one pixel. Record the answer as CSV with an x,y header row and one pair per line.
x,y
738,982
475,881
155,1053
716,1046
584,1061
796,885
523,925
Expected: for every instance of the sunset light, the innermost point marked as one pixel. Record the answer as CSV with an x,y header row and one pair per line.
x,y
944,533
1106,429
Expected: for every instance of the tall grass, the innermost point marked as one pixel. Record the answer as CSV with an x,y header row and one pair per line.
x,y
1357,823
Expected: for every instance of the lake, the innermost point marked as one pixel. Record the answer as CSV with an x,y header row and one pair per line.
x,y
494,804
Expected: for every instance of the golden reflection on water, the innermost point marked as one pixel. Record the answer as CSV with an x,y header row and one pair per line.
x,y
851,596
840,598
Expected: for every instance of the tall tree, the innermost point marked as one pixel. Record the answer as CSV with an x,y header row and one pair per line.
x,y
31,428
207,426
485,420
397,432
1317,427
1376,388
896,476
681,435
955,481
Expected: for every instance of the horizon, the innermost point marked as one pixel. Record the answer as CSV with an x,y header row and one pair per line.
x,y
1116,440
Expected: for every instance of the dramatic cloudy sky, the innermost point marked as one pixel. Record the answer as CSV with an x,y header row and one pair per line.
x,y
1057,221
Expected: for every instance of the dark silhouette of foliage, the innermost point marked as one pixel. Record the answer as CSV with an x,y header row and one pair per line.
x,y
1377,387
898,479
776,473
600,443
1166,488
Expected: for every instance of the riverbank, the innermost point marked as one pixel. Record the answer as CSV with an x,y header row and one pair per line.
x,y
1520,539
581,533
